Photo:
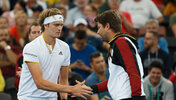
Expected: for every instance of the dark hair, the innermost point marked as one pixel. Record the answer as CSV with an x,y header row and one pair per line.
x,y
22,4
111,17
94,55
37,8
80,34
33,24
156,64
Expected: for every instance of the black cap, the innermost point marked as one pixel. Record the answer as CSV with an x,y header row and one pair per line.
x,y
37,8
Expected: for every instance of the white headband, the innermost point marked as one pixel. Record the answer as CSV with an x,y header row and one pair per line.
x,y
54,18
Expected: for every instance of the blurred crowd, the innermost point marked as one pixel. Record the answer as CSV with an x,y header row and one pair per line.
x,y
151,22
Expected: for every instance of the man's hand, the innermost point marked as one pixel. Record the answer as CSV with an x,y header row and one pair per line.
x,y
3,44
18,73
81,90
80,65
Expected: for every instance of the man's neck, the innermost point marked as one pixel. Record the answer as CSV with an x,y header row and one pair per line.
x,y
154,84
101,76
112,35
49,40
154,49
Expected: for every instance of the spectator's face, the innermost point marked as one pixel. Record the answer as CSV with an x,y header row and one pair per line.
x,y
98,64
4,35
148,40
22,20
82,3
88,11
151,27
80,44
114,4
17,7
155,75
35,32
3,23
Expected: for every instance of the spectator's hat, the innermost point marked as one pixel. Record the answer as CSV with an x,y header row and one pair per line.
x,y
80,21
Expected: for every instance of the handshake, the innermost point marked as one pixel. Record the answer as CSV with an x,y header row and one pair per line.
x,y
81,90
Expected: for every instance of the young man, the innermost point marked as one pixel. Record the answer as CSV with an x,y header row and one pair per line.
x,y
157,87
45,59
153,53
125,66
100,73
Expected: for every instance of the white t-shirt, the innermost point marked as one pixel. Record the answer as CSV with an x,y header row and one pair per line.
x,y
37,52
140,11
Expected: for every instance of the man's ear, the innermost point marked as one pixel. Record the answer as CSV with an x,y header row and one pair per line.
x,y
91,65
107,26
46,26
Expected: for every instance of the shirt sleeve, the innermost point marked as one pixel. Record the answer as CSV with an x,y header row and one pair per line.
x,y
67,57
30,54
154,10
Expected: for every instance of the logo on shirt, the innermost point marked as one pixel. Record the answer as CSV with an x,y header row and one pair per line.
x,y
60,53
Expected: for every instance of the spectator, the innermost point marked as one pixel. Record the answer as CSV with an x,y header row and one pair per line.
x,y
156,87
90,12
172,77
19,6
4,22
4,6
153,53
8,56
74,13
172,24
81,23
93,38
141,11
80,52
100,73
19,31
127,25
153,26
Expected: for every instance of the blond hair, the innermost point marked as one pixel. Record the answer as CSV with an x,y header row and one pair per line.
x,y
19,13
47,13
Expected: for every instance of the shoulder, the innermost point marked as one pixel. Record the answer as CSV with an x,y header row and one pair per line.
x,y
91,47
33,44
72,10
92,79
166,82
146,80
